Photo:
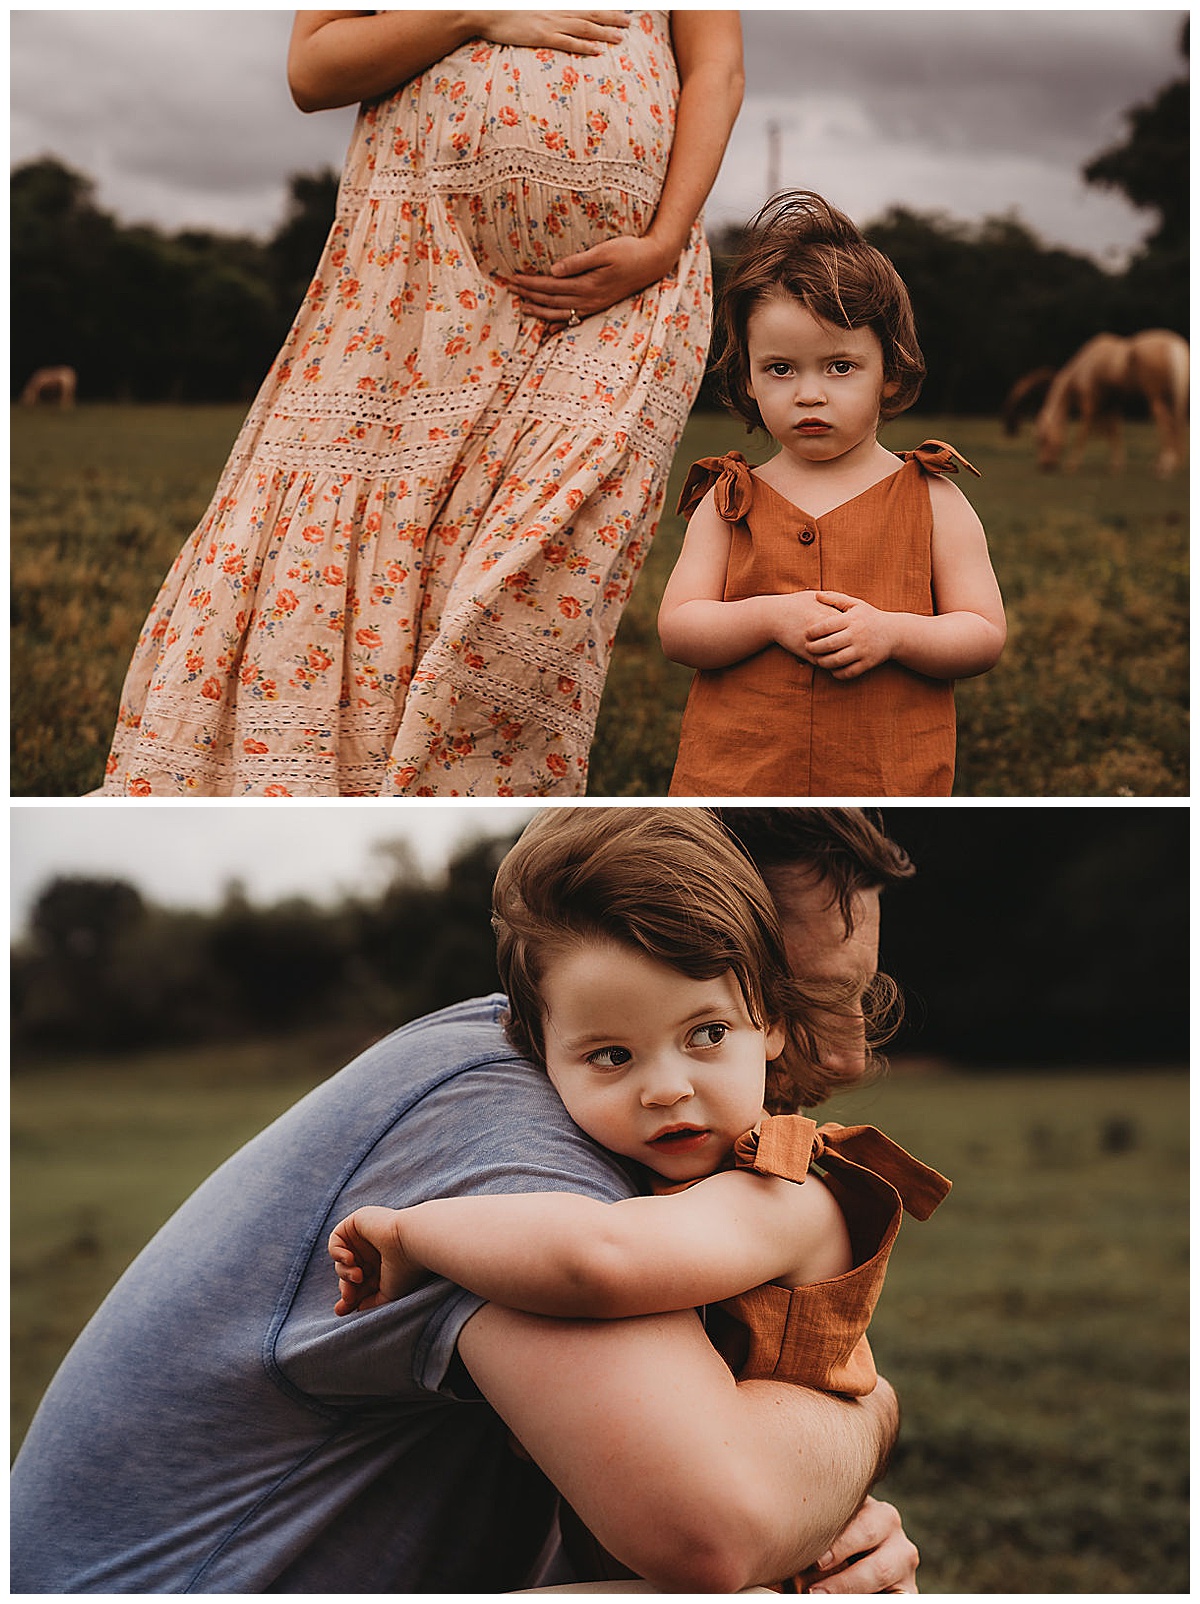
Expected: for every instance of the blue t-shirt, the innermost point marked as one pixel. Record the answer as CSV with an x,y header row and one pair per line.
x,y
215,1432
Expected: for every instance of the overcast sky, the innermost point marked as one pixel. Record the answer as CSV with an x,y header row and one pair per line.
x,y
184,119
184,855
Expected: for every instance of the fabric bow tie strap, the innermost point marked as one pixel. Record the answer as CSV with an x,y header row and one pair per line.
x,y
935,456
734,484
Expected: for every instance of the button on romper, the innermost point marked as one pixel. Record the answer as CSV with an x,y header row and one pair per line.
x,y
773,725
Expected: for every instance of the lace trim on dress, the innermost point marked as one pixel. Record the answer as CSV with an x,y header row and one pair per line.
x,y
485,171
491,686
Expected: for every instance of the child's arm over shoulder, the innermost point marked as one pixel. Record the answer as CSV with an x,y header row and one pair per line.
x,y
967,631
556,1253
698,627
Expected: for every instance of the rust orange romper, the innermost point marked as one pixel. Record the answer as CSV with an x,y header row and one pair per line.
x,y
772,725
815,1335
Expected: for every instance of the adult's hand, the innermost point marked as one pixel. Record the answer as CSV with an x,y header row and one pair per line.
x,y
872,1555
593,280
583,33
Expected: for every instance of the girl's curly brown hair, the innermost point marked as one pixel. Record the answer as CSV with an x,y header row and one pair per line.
x,y
800,246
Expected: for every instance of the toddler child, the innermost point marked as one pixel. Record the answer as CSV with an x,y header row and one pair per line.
x,y
646,972
829,598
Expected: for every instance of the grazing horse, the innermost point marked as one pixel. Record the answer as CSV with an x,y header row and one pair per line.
x,y
1025,397
50,385
1100,378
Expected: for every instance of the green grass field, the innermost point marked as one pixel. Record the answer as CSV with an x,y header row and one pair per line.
x,y
1088,700
1036,1328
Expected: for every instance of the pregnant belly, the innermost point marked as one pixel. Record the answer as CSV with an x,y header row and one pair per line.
x,y
539,154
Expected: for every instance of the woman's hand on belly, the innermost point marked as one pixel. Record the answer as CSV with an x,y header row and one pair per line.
x,y
583,33
593,280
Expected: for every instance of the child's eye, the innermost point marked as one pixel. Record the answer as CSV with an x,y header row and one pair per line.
x,y
842,367
609,1057
709,1035
779,370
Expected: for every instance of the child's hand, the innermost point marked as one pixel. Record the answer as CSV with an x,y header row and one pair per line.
x,y
852,638
797,616
372,1266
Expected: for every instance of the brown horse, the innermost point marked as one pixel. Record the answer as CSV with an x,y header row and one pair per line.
x,y
54,386
1102,377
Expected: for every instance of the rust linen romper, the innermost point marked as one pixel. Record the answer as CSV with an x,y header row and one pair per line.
x,y
772,725
815,1335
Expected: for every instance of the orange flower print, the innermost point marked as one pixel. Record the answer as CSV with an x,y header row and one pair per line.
x,y
451,447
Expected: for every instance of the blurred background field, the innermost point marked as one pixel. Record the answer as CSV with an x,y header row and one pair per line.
x,y
1036,1328
1088,700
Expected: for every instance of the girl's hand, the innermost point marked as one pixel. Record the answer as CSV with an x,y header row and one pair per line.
x,y
593,280
854,639
797,616
372,1265
583,33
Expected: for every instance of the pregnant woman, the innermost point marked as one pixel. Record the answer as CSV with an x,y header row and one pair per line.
x,y
412,570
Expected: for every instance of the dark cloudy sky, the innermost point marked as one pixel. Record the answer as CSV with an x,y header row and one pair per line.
x,y
183,117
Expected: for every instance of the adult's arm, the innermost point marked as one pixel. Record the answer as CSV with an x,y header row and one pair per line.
x,y
694,1481
338,58
708,54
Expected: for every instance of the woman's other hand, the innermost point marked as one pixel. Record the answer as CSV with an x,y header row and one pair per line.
x,y
583,33
592,280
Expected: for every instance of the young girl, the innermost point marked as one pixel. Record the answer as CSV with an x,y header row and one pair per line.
x,y
646,972
829,598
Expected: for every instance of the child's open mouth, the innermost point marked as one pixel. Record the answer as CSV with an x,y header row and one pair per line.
x,y
679,1139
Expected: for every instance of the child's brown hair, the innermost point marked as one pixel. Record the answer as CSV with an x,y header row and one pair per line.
x,y
669,882
800,246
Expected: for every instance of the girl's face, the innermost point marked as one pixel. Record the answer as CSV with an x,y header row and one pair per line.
x,y
652,1064
817,386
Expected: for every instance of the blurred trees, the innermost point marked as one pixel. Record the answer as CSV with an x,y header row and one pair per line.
x,y
146,316
1029,937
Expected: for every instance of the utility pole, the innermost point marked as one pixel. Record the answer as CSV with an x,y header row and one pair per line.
x,y
774,148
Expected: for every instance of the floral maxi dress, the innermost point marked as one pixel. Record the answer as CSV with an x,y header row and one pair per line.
x,y
410,575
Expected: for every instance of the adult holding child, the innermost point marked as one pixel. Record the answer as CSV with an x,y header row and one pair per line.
x,y
411,573
216,1431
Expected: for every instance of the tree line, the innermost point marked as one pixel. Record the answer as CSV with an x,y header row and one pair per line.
x,y
1039,938
144,315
